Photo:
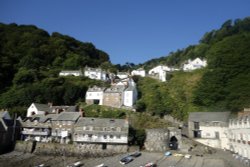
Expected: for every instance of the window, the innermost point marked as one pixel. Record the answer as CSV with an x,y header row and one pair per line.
x,y
111,136
118,136
90,135
196,125
105,136
216,124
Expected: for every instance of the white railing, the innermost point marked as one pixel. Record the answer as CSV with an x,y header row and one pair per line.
x,y
43,133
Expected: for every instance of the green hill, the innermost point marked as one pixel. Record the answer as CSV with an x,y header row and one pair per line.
x,y
223,85
31,60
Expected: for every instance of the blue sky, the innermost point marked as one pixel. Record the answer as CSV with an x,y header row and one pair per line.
x,y
128,30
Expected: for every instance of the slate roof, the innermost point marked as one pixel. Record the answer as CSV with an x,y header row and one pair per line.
x,y
67,116
130,88
96,89
101,122
115,89
2,114
209,116
66,108
43,107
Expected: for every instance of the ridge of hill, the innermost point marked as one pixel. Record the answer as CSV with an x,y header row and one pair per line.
x,y
31,60
224,85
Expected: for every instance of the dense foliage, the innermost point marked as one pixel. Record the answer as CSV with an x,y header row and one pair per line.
x,y
30,61
222,85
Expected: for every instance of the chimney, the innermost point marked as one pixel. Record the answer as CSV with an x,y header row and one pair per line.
x,y
50,104
82,112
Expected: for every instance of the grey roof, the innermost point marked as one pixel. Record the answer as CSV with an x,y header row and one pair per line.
x,y
96,88
66,108
209,116
71,109
130,88
43,107
101,122
115,89
67,116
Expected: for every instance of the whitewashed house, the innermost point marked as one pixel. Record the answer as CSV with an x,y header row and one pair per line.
x,y
94,95
36,108
122,75
76,73
130,96
160,72
194,64
139,72
95,73
239,134
209,128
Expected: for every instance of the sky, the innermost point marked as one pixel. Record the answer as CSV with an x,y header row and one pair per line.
x,y
128,30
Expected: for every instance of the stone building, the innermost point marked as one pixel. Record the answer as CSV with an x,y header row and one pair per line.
x,y
239,134
114,96
63,126
209,128
102,131
37,128
163,139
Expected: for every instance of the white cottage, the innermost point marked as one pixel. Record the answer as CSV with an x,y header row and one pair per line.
x,y
139,72
94,95
76,73
122,75
130,96
209,128
36,108
194,64
160,72
95,73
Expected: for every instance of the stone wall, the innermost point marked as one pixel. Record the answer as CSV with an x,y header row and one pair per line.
x,y
86,150
24,146
156,140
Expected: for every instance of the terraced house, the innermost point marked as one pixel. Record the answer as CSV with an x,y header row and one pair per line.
x,y
239,134
103,132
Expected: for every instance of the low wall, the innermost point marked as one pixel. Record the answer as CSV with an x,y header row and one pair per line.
x,y
86,150
24,146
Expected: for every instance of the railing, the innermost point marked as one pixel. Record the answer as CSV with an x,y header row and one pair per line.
x,y
40,133
100,140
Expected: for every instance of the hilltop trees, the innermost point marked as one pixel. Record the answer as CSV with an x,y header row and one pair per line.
x,y
30,60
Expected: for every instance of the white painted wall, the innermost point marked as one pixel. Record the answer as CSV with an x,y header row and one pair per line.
x,y
96,74
141,73
130,97
67,73
33,108
98,95
208,136
194,64
100,138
